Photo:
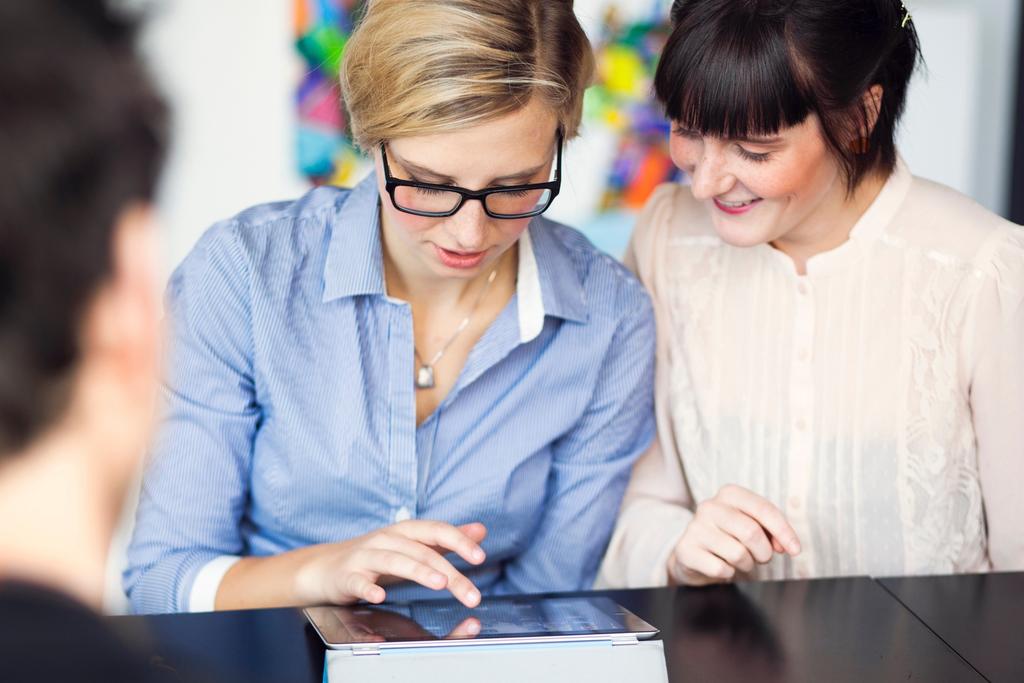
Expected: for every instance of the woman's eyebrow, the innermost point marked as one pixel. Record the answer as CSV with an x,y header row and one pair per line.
x,y
416,169
521,176
442,179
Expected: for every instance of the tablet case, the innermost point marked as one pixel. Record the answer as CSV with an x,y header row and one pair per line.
x,y
595,662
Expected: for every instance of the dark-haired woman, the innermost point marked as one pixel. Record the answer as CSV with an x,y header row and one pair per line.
x,y
841,344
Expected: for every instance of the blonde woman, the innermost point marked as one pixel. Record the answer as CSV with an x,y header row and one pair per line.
x,y
841,344
364,381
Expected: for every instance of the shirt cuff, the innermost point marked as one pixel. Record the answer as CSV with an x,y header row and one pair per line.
x,y
204,589
645,538
659,570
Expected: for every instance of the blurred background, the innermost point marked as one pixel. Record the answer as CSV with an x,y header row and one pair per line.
x,y
252,85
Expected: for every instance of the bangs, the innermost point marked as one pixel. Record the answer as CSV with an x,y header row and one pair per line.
x,y
730,77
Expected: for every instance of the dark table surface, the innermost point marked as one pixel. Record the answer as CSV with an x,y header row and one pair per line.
x,y
981,616
851,629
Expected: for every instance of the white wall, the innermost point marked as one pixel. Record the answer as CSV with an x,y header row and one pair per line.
x,y
229,69
958,127
996,99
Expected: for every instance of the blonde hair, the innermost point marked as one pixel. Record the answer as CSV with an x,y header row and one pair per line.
x,y
419,67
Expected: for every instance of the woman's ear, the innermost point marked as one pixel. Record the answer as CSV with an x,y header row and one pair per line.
x,y
863,126
871,103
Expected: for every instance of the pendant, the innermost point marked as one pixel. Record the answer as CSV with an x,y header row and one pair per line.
x,y
425,377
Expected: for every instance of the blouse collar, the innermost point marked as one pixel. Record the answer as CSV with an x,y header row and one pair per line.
x,y
868,228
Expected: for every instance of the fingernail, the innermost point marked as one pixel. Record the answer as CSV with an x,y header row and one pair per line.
x,y
437,580
473,597
794,548
478,555
473,628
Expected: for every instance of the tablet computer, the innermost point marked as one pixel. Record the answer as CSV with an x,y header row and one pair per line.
x,y
368,629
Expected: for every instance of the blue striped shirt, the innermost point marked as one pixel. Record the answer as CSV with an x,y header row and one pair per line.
x,y
291,417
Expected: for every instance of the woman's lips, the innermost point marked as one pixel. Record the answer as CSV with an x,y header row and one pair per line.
x,y
458,259
733,210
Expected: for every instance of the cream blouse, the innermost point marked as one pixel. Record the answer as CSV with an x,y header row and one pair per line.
x,y
877,400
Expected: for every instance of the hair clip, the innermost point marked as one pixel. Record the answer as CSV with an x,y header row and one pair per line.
x,y
906,15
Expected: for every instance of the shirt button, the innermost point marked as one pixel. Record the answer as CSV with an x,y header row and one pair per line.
x,y
801,425
802,355
802,288
402,514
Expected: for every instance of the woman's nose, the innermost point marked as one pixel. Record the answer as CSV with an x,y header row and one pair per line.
x,y
469,226
708,177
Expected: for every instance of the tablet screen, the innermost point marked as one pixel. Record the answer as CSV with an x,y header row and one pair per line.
x,y
502,617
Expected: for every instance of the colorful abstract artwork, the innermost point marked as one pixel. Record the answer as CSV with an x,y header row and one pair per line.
x,y
622,99
324,149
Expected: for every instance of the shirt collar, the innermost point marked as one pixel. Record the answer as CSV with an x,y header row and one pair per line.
x,y
871,226
355,263
884,208
528,292
556,275
548,281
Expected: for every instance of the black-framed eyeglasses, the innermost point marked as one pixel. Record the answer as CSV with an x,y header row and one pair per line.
x,y
439,201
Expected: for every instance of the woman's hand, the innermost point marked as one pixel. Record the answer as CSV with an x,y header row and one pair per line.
x,y
357,569
730,533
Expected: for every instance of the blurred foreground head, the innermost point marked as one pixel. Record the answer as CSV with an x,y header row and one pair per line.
x,y
82,137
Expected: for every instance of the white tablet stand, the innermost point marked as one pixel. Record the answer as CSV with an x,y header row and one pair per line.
x,y
594,662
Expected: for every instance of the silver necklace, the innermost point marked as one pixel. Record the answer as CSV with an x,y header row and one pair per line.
x,y
425,372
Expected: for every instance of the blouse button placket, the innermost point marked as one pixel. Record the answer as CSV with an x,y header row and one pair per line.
x,y
801,402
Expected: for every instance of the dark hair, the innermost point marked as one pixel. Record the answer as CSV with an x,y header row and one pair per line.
x,y
82,137
739,68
